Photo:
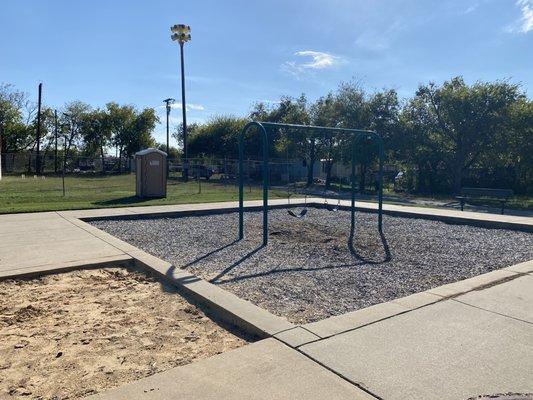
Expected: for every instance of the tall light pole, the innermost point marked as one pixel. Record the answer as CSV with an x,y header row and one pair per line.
x,y
182,34
168,102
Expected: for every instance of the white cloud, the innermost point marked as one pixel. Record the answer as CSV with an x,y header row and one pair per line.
x,y
379,40
469,9
525,23
318,61
189,106
526,6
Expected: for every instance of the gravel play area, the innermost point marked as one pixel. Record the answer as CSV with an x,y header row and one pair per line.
x,y
308,272
66,336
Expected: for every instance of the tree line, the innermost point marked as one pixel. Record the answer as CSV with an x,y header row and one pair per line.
x,y
80,129
442,138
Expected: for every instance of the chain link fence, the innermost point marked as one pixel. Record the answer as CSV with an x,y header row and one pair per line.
x,y
31,184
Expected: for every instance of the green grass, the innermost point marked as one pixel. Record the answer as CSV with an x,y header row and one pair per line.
x,y
93,191
29,195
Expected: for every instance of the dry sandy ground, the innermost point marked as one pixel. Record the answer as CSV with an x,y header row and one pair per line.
x,y
69,335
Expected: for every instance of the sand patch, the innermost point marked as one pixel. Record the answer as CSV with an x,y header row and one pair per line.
x,y
66,336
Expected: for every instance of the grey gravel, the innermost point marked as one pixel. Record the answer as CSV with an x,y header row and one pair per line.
x,y
308,272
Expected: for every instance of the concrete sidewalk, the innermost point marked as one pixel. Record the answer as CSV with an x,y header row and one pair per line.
x,y
477,343
33,243
266,370
452,342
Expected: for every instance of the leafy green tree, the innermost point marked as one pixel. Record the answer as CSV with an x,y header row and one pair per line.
x,y
465,121
72,119
218,137
284,141
139,135
358,110
518,142
14,133
325,112
96,133
131,130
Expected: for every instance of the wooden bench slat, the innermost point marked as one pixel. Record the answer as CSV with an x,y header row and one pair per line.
x,y
487,192
469,193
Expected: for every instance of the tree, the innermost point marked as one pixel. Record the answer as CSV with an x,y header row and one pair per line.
x,y
131,129
12,131
519,140
119,118
325,112
284,141
218,137
465,121
139,133
72,119
96,133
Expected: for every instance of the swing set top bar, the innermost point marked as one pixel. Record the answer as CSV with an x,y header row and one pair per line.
x,y
358,133
312,128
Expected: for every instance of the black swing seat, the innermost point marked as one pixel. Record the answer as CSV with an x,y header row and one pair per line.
x,y
301,214
330,207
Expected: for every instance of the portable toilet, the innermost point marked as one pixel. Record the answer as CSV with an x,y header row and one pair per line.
x,y
151,173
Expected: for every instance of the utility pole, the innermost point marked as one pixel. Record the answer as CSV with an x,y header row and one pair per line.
x,y
38,160
55,133
168,102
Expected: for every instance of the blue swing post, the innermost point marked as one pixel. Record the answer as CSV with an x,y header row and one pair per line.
x,y
358,134
264,139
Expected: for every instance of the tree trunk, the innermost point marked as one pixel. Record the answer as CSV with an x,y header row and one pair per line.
x,y
329,164
457,173
102,157
311,164
120,160
362,177
67,150
29,162
329,168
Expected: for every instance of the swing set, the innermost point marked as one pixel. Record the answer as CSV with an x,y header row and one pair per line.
x,y
356,136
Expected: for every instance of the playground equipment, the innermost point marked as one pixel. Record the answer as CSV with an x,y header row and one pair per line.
x,y
300,214
303,211
262,127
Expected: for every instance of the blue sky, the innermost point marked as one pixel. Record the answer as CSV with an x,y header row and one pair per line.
x,y
248,51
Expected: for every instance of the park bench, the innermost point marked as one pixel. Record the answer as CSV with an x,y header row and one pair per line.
x,y
502,195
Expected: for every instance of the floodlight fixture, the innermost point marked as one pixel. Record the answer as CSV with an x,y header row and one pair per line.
x,y
180,33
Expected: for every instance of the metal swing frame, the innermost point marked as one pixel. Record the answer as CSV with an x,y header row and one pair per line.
x,y
357,136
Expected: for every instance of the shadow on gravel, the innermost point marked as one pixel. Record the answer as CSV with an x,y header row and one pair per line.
x,y
236,263
210,254
387,256
282,270
362,261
